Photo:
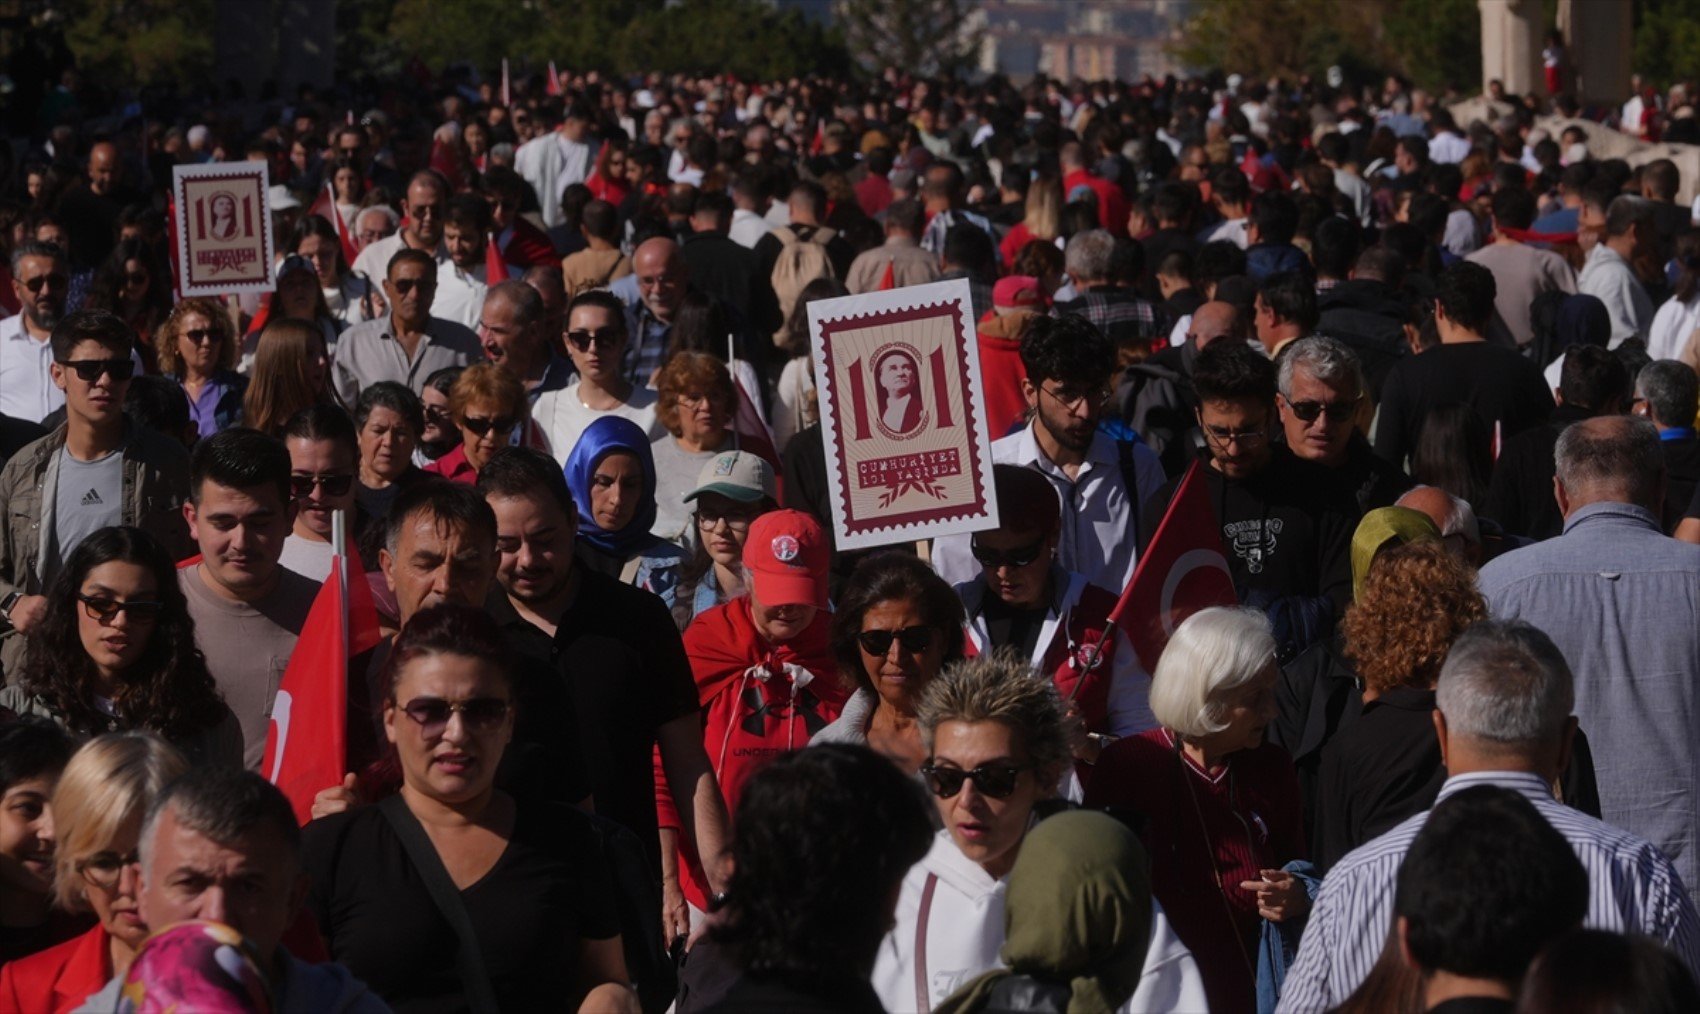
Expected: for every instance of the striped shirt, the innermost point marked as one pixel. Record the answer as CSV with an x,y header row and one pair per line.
x,y
1632,888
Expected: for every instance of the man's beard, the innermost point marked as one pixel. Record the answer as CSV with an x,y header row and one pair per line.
x,y
44,317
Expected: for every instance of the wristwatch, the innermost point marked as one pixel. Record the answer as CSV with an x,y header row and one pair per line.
x,y
6,605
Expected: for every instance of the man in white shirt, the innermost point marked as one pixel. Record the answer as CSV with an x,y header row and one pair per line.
x,y
1068,363
553,161
461,285
749,204
40,281
1446,147
1609,273
427,196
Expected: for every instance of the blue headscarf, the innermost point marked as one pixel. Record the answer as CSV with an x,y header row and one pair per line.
x,y
612,434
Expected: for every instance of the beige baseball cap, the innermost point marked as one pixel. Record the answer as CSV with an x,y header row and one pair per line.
x,y
736,475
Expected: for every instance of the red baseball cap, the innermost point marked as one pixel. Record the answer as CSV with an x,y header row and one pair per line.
x,y
1017,291
787,556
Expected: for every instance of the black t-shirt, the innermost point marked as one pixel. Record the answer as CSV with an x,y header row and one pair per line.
x,y
622,658
1010,626
548,892
1496,381
1520,494
1286,530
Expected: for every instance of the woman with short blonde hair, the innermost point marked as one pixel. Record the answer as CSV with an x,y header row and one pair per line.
x,y
486,403
1221,804
98,808
196,346
696,404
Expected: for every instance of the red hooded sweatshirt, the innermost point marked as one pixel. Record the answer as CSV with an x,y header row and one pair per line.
x,y
759,700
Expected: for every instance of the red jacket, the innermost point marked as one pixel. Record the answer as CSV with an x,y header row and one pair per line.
x,y
1112,206
58,979
757,703
1001,370
527,246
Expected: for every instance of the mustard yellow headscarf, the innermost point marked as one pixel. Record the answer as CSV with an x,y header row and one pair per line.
x,y
1383,527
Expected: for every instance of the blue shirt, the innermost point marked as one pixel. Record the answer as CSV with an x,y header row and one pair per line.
x,y
646,348
1621,600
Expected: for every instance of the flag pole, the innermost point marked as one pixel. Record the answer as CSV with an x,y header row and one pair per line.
x,y
339,557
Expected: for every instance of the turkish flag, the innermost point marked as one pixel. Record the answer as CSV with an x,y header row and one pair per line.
x,y
888,280
307,741
553,87
325,207
1182,571
495,268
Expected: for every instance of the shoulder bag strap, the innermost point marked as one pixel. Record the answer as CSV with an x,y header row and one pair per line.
x,y
480,995
922,1003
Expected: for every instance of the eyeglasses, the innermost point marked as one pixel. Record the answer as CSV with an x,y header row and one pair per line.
x,y
1336,411
200,335
406,285
1020,556
336,484
99,607
606,338
708,518
105,869
878,642
1224,437
480,714
59,282
994,780
89,370
479,427
1072,398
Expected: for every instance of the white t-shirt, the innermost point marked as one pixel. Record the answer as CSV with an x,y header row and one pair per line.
x,y
561,417
305,557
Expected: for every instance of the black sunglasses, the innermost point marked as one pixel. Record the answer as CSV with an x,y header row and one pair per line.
x,y
89,370
1020,556
483,426
59,282
301,486
994,780
104,609
480,714
406,285
878,642
1337,411
606,338
200,334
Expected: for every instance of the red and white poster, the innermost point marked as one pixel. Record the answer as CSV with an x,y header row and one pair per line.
x,y
223,224
903,415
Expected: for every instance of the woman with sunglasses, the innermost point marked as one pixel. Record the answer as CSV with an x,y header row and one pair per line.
x,y
896,626
529,874
1024,601
733,490
196,347
997,746
487,404
115,650
612,479
763,666
134,283
98,806
1220,806
290,372
596,343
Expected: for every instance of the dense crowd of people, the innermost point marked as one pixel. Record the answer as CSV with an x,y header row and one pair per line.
x,y
639,735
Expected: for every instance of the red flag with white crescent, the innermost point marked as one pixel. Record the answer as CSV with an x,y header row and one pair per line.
x,y
1182,570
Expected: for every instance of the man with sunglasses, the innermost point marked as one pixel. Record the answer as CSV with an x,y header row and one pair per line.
x,y
1102,483
248,609
92,471
1286,523
1320,395
40,282
422,229
408,344
596,342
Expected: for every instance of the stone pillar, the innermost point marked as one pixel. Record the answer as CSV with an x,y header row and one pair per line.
x,y
1597,39
1511,43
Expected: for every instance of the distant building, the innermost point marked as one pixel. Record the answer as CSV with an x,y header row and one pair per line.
x,y
1088,39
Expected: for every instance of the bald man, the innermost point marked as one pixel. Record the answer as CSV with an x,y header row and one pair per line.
x,y
422,226
652,294
106,170
1456,520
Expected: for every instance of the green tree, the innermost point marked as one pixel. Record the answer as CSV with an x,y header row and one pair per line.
x,y
141,42
925,36
1667,40
742,37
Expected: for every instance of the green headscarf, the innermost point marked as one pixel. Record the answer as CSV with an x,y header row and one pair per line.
x,y
1078,910
1379,528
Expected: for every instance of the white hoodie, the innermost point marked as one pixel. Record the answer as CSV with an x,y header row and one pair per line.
x,y
965,932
